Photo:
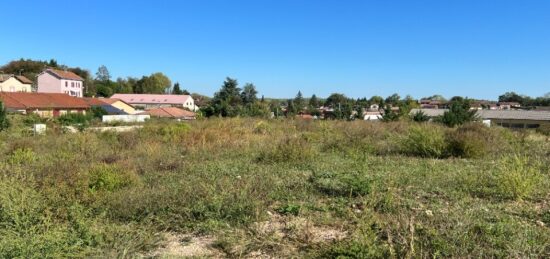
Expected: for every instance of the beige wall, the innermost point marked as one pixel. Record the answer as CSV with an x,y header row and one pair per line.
x,y
14,85
125,107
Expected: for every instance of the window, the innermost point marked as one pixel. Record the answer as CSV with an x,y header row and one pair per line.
x,y
72,84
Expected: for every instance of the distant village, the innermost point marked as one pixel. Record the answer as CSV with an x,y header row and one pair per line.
x,y
56,92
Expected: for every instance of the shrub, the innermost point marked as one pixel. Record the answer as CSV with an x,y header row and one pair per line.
x,y
4,122
293,149
21,156
169,131
289,209
518,177
74,118
343,184
425,141
420,116
109,178
459,113
469,141
262,128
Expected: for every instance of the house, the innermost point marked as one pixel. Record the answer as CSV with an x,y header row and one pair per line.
x,y
147,101
60,81
43,104
98,102
170,112
120,104
13,83
372,115
111,106
508,105
517,119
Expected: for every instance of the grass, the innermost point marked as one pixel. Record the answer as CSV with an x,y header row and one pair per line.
x,y
388,189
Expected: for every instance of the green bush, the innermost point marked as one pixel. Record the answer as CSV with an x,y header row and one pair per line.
x,y
109,178
425,141
518,177
470,141
341,184
292,149
74,118
4,122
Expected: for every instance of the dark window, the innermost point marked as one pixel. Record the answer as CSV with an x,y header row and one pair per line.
x,y
66,83
533,126
517,126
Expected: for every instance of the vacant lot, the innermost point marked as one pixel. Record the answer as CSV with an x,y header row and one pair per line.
x,y
253,188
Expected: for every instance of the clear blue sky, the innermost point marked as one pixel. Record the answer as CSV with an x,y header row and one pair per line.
x,y
475,48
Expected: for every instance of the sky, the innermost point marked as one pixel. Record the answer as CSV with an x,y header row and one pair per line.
x,y
474,48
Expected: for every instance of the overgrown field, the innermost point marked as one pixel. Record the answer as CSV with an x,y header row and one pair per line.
x,y
281,188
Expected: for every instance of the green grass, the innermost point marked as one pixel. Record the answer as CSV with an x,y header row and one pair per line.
x,y
391,189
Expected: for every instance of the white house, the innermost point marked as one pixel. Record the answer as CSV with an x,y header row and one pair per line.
x,y
60,81
12,83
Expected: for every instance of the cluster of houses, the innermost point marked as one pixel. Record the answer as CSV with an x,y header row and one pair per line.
x,y
59,92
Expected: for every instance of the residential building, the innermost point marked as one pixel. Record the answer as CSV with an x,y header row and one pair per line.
x,y
170,112
148,101
60,81
13,83
43,104
517,119
114,106
508,105
120,104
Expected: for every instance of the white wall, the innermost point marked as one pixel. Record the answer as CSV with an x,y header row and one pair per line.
x,y
125,118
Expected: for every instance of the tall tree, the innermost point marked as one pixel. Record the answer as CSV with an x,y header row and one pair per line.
x,y
176,89
248,95
103,74
393,99
314,101
227,101
299,102
156,83
336,100
458,113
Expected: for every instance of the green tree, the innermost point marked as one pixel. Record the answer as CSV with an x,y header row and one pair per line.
x,y
390,115
156,83
103,74
335,100
4,122
420,116
176,89
393,99
227,101
458,113
299,102
248,94
377,100
314,101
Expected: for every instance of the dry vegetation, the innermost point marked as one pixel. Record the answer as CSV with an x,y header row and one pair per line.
x,y
259,188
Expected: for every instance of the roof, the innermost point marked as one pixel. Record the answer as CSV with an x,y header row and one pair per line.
x,y
515,115
94,101
169,112
17,100
62,74
153,98
496,114
22,79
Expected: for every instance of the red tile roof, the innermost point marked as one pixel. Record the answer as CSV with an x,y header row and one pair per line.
x,y
152,98
94,101
41,101
169,112
64,74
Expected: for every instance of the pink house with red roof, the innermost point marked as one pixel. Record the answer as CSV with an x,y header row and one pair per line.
x,y
149,101
60,81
